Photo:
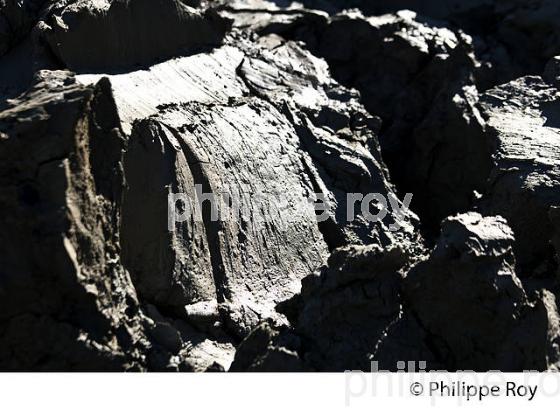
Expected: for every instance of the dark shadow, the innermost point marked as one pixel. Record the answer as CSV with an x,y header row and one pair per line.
x,y
551,111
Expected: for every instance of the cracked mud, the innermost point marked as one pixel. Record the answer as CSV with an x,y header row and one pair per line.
x,y
107,106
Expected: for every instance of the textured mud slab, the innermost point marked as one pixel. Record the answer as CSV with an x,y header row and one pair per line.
x,y
205,78
61,193
269,108
420,78
525,183
69,303
253,260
